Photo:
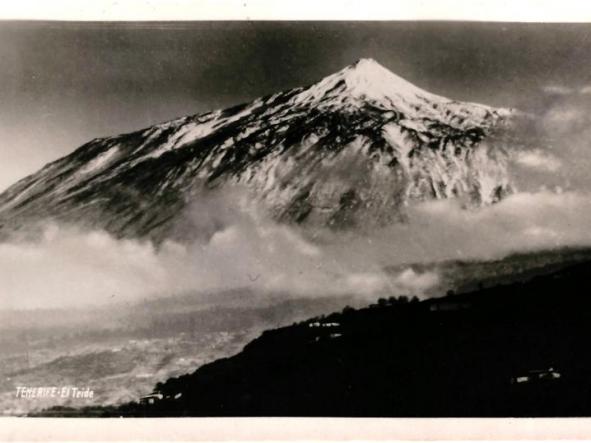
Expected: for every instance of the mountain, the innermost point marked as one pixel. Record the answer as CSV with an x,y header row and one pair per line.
x,y
468,275
517,350
362,142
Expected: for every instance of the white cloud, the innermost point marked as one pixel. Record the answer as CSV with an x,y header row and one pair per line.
x,y
557,90
521,222
443,230
538,159
562,115
565,90
69,267
74,268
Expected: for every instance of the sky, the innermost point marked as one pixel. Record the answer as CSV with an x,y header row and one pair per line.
x,y
62,84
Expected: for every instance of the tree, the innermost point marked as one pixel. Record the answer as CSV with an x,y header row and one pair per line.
x,y
347,309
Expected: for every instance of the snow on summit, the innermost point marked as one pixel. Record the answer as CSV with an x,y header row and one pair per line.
x,y
357,145
368,79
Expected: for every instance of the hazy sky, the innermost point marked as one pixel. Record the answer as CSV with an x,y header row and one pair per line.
x,y
62,84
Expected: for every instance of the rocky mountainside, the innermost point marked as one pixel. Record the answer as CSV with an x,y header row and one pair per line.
x,y
362,142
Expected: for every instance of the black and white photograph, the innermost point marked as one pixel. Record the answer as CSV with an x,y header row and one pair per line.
x,y
295,218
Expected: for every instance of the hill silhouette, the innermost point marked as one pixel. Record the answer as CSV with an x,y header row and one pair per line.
x,y
519,349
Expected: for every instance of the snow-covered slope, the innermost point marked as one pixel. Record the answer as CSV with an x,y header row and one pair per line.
x,y
359,144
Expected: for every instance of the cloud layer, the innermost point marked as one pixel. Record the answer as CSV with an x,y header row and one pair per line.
x,y
538,159
69,267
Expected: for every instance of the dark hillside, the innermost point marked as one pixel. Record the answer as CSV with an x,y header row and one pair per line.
x,y
513,350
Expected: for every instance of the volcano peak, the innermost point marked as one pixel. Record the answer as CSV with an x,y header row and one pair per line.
x,y
366,77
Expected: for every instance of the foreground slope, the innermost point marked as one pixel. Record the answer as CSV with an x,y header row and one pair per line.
x,y
359,143
510,350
